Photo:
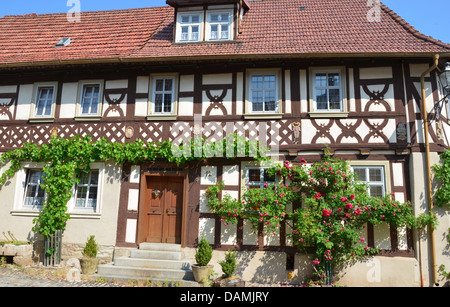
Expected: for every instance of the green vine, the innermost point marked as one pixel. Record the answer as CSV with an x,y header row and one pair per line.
x,y
66,159
442,173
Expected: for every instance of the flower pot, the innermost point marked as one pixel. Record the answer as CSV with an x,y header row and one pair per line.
x,y
202,273
89,265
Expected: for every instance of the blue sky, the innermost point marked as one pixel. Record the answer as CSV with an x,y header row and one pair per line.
x,y
429,17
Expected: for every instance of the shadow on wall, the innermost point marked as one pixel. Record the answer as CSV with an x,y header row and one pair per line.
x,y
270,267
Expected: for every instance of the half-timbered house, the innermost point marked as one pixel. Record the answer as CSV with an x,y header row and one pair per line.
x,y
299,74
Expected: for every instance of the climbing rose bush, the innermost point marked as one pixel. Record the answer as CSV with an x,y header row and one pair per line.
x,y
325,206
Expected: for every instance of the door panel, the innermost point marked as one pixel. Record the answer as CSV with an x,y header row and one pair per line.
x,y
161,213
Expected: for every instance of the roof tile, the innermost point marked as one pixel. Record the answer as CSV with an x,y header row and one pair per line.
x,y
270,27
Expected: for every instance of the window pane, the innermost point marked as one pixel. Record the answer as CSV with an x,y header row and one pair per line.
x,y
321,80
334,79
268,177
214,32
214,17
159,85
224,33
269,82
194,33
195,18
257,82
184,33
376,191
185,18
224,17
321,99
168,103
254,175
158,103
375,174
168,85
360,174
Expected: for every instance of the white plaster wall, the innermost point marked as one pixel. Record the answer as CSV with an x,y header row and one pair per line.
x,y
103,226
419,199
24,102
69,100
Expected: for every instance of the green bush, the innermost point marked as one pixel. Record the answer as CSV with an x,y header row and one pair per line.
x,y
91,248
229,265
204,253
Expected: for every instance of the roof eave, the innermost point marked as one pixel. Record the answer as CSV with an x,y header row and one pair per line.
x,y
228,57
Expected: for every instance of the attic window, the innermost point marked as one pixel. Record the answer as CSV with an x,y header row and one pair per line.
x,y
64,42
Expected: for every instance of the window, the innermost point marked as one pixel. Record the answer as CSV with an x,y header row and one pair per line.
x,y
163,95
34,194
44,101
189,27
219,26
263,93
90,99
373,177
328,91
87,191
258,176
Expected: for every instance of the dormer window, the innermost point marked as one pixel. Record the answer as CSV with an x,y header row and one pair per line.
x,y
219,26
207,20
189,27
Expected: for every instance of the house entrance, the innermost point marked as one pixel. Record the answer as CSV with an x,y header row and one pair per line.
x,y
161,209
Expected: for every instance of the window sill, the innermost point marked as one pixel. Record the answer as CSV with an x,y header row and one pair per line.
x,y
24,212
42,120
264,116
161,117
88,118
328,114
86,215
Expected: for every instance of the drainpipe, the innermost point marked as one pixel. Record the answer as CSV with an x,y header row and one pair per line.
x,y
428,164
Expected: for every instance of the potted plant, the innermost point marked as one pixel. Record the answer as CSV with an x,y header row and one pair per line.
x,y
202,270
229,266
89,261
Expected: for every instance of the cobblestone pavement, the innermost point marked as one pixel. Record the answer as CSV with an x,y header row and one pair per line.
x,y
12,277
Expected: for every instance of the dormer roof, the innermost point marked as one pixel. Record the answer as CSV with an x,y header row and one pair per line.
x,y
184,3
269,29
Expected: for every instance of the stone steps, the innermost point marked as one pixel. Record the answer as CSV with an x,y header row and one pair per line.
x,y
151,262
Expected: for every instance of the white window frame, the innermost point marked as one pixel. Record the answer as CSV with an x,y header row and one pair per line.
x,y
88,186
38,186
82,85
261,182
367,168
83,211
343,109
219,24
35,101
276,89
189,25
327,88
20,193
164,93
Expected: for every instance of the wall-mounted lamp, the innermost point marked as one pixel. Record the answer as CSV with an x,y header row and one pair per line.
x,y
444,77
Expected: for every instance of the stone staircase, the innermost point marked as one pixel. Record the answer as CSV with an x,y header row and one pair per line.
x,y
151,262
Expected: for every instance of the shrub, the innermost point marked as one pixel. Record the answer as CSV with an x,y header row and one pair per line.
x,y
204,253
91,248
230,264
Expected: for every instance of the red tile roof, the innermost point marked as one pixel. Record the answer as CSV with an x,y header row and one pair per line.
x,y
269,28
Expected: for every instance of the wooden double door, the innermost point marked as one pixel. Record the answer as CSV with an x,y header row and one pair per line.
x,y
161,210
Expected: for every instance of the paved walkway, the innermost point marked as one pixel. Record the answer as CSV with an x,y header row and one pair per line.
x,y
11,277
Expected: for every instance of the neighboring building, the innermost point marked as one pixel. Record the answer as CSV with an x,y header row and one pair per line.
x,y
302,74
